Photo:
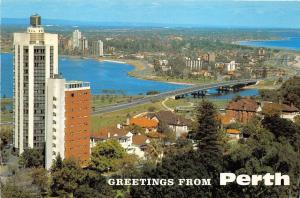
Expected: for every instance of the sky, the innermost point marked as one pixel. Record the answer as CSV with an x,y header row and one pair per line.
x,y
200,13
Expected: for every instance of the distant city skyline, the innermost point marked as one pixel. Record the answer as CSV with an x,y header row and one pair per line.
x,y
230,13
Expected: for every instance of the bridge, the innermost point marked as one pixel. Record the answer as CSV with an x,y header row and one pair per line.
x,y
179,93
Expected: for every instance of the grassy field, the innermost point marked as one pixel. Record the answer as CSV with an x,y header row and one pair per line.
x,y
105,100
220,104
172,103
113,118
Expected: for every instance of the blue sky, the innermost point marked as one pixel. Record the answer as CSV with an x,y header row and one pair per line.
x,y
229,13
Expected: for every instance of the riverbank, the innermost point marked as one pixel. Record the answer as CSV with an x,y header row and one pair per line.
x,y
265,84
143,70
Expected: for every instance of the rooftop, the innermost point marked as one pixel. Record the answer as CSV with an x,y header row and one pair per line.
x,y
244,104
110,132
143,122
139,139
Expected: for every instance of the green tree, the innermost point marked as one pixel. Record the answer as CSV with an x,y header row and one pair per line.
x,y
262,153
40,179
107,155
290,91
6,134
135,129
207,131
31,158
65,179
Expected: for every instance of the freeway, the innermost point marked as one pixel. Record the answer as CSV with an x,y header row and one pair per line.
x,y
156,97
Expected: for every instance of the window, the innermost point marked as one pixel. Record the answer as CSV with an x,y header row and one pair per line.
x,y
72,94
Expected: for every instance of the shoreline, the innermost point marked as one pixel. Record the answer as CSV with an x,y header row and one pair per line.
x,y
136,64
289,49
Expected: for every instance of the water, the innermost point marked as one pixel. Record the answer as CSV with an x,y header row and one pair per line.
x,y
289,43
103,76
230,95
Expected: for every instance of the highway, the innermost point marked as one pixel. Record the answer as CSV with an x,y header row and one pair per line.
x,y
160,96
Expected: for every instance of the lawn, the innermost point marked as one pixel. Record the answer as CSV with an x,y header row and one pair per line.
x,y
172,103
113,118
105,100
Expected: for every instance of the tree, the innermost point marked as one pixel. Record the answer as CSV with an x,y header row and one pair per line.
x,y
106,156
65,179
169,134
31,158
92,185
135,129
6,134
20,185
207,131
70,180
263,153
290,91
40,179
204,163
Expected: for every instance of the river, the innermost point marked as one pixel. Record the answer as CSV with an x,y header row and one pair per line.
x,y
289,43
103,76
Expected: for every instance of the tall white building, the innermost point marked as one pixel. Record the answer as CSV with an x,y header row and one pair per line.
x,y
83,44
230,67
35,60
194,64
76,39
100,44
97,48
55,119
68,120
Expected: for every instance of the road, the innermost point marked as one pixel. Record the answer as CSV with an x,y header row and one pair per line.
x,y
160,96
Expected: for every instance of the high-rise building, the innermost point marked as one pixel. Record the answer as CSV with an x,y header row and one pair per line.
x,y
83,45
68,120
97,48
35,60
194,64
76,39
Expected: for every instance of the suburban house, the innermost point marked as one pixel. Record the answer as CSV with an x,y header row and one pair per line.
x,y
122,136
233,134
242,110
145,123
133,144
177,123
139,145
284,110
226,119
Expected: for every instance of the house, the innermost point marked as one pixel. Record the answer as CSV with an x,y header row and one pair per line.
x,y
226,119
139,145
177,123
284,110
145,123
133,144
233,133
122,136
242,110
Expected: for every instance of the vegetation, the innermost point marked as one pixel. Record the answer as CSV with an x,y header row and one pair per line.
x,y
113,118
31,158
106,156
70,180
288,93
